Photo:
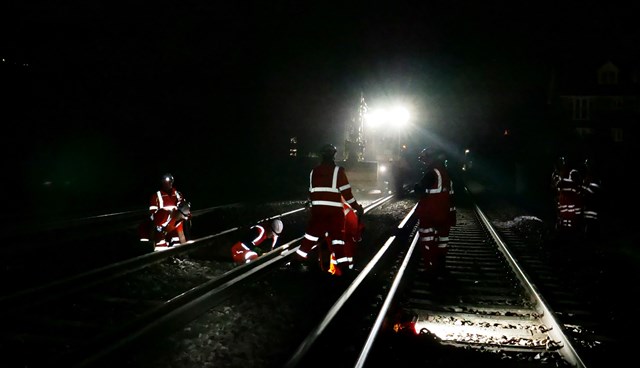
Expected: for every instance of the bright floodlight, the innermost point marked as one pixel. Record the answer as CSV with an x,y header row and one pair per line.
x,y
376,118
399,117
395,118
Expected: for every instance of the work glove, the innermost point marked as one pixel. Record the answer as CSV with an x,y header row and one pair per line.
x,y
359,209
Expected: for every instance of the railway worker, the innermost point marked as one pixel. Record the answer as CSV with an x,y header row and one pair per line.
x,y
328,188
434,211
568,185
353,229
591,200
260,238
161,228
167,198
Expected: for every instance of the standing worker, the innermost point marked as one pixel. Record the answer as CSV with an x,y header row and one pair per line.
x,y
568,185
328,186
435,212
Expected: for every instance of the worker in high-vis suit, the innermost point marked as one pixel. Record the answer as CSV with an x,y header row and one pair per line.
x,y
328,186
353,230
435,210
161,229
260,238
167,198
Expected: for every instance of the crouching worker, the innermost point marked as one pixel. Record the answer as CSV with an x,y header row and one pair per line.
x,y
164,228
259,239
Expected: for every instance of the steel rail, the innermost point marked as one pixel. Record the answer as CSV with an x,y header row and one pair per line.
x,y
185,307
542,307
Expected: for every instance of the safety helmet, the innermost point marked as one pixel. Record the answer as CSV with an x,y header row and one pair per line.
x,y
277,226
328,151
167,178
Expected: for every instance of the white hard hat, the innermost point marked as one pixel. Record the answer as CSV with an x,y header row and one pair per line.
x,y
277,226
167,178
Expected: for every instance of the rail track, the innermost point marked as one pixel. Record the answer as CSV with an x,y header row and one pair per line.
x,y
486,309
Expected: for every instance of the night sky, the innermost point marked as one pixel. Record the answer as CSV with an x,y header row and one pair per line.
x,y
102,98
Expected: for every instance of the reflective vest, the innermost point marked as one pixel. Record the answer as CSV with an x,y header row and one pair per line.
x,y
435,196
166,200
328,184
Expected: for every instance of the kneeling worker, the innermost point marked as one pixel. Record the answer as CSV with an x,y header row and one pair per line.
x,y
260,238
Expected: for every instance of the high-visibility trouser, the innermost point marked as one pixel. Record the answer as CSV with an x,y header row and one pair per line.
x,y
328,223
434,244
569,215
240,253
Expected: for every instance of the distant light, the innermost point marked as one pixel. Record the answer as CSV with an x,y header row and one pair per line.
x,y
466,152
506,132
382,168
375,118
399,117
395,118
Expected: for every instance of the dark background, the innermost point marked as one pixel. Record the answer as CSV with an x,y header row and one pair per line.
x,y
99,99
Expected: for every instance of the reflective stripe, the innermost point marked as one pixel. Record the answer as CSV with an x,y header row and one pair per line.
x,y
311,237
249,254
327,203
439,188
337,242
260,234
302,253
167,221
333,189
160,202
324,189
